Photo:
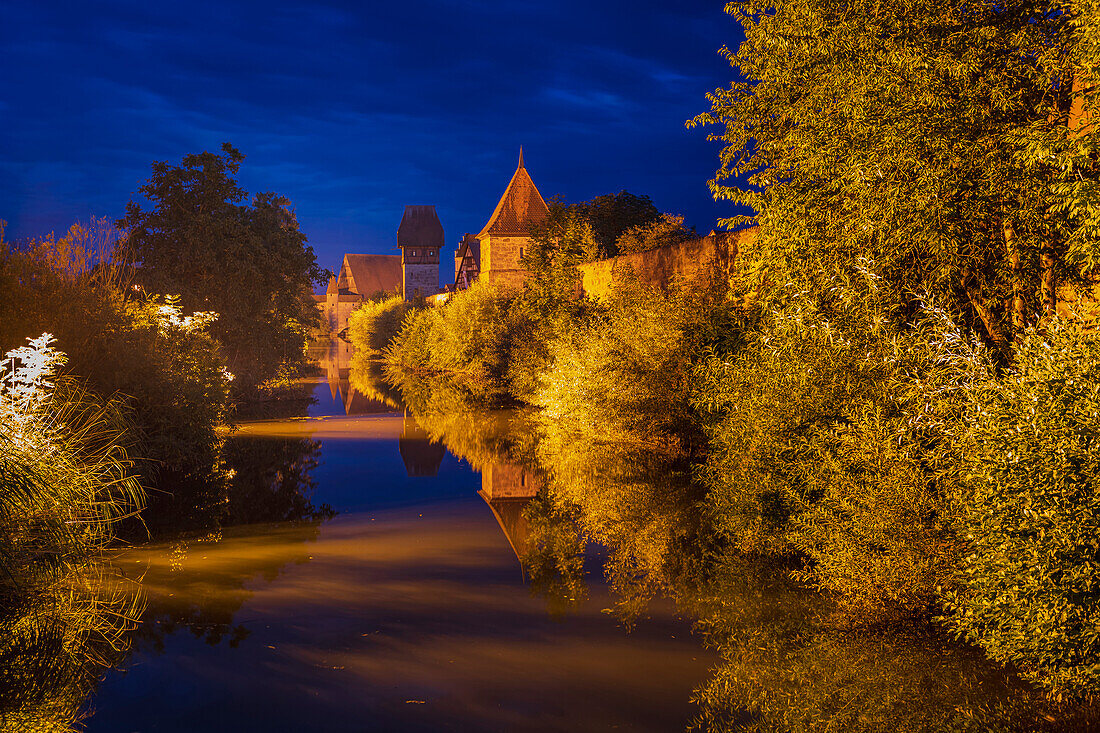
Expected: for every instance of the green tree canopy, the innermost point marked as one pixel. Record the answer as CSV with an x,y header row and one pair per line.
x,y
613,214
248,262
664,231
588,230
892,135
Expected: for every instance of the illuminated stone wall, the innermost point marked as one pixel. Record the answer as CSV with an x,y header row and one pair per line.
x,y
690,260
500,259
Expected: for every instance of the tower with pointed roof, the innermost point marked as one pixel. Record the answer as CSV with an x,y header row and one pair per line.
x,y
420,237
506,236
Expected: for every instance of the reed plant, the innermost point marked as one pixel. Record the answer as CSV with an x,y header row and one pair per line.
x,y
65,481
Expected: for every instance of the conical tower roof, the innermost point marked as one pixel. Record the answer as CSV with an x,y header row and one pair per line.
x,y
521,206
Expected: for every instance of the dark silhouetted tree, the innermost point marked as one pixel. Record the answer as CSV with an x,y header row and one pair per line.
x,y
248,262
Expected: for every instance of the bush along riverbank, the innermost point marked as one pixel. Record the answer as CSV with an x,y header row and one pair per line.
x,y
895,460
899,394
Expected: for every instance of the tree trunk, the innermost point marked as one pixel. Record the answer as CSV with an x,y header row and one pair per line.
x,y
1048,284
996,336
1017,309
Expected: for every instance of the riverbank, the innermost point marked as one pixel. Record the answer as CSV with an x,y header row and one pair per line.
x,y
827,435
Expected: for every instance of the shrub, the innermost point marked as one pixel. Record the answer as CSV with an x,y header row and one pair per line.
x,y
374,324
624,375
830,437
1030,513
471,337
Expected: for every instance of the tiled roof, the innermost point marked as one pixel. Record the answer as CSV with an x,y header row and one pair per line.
x,y
369,274
520,207
420,227
333,288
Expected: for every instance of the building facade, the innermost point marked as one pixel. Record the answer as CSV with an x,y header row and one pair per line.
x,y
467,262
361,277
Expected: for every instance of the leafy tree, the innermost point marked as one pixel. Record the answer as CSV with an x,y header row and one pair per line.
x,y
944,153
613,214
247,262
1071,152
890,132
1030,510
587,230
665,231
561,242
375,323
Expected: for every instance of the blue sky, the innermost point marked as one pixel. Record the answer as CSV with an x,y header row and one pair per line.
x,y
353,110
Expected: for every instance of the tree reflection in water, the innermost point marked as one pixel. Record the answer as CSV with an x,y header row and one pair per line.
x,y
790,662
188,591
272,484
500,444
272,481
56,640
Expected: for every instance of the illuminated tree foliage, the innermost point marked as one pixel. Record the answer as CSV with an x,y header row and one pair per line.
x,y
1031,513
895,134
942,154
665,231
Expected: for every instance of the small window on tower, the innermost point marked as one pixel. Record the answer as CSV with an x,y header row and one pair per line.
x,y
521,253
414,253
431,252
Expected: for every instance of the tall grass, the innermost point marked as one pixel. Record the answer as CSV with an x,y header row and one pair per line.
x,y
65,481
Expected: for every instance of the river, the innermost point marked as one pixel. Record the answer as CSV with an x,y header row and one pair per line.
x,y
405,608
397,558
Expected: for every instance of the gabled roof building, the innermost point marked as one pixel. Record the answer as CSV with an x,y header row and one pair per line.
x,y
505,237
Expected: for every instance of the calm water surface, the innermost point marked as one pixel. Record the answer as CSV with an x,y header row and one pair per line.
x,y
407,611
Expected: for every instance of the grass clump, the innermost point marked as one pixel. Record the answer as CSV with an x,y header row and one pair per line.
x,y
65,482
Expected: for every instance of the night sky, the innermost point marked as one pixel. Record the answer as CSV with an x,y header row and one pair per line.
x,y
353,110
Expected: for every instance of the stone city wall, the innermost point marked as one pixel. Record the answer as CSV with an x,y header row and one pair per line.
x,y
691,260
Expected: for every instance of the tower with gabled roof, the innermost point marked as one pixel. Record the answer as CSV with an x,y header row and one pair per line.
x,y
507,234
420,237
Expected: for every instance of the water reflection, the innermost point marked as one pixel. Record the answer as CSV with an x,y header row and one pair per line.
x,y
407,619
404,613
421,455
200,585
790,662
361,393
272,481
508,488
58,632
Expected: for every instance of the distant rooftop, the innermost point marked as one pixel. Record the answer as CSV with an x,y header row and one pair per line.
x,y
420,227
370,274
